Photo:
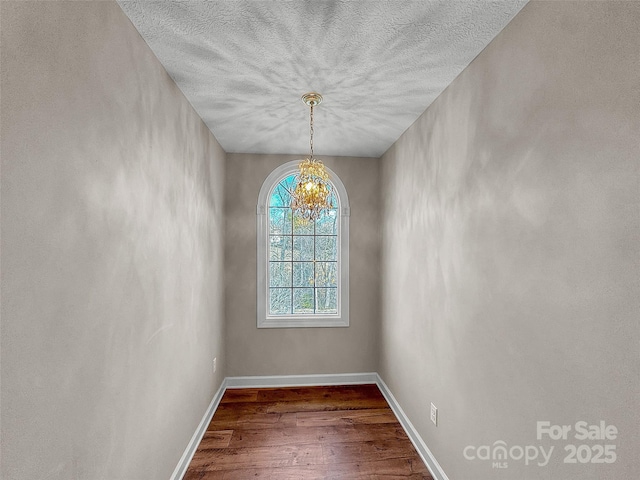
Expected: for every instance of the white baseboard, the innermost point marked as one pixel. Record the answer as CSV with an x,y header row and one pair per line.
x,y
301,380
427,457
310,380
185,460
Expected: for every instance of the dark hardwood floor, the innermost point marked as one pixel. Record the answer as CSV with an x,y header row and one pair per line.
x,y
315,433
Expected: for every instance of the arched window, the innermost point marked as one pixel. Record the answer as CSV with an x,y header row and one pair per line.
x,y
303,267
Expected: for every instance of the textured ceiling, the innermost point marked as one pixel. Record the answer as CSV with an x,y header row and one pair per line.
x,y
244,64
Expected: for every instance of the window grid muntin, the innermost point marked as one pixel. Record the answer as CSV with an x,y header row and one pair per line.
x,y
289,223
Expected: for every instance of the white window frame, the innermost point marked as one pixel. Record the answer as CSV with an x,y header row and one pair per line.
x,y
341,319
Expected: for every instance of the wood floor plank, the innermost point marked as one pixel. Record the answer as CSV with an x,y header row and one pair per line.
x,y
362,433
203,475
297,394
216,439
278,437
257,457
305,433
316,472
335,453
345,417
234,410
326,404
235,395
390,466
412,476
253,421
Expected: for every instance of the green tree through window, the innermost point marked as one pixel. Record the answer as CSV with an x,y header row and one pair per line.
x,y
303,257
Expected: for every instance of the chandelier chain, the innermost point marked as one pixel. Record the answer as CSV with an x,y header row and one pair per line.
x,y
311,130
311,195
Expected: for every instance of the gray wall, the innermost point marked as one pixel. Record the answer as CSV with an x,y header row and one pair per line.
x,y
111,250
253,351
510,245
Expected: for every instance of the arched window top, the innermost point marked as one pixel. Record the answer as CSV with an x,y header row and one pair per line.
x,y
291,168
303,267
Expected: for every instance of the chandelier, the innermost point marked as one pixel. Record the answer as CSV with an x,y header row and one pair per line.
x,y
312,190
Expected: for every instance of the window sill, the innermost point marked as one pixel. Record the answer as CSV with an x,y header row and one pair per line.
x,y
304,322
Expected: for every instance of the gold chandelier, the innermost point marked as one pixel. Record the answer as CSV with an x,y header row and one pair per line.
x,y
312,190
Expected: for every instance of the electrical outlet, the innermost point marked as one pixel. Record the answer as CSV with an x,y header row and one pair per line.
x,y
434,414
215,364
